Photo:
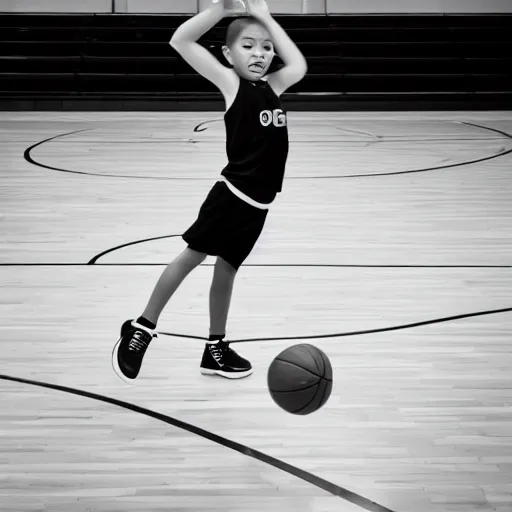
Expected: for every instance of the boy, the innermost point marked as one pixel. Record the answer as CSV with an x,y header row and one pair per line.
x,y
232,217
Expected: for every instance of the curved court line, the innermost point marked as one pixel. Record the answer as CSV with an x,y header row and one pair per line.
x,y
199,127
28,157
376,138
330,487
498,154
93,260
354,333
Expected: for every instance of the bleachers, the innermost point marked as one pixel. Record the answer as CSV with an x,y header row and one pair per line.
x,y
97,62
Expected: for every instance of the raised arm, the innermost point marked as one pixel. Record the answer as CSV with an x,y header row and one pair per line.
x,y
295,65
184,41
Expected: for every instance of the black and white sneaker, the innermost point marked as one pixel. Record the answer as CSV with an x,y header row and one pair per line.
x,y
220,359
130,349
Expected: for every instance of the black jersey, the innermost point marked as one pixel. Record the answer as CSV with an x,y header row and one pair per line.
x,y
256,141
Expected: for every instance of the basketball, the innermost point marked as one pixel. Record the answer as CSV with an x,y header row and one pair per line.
x,y
300,379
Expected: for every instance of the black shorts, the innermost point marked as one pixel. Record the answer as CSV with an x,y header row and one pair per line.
x,y
226,226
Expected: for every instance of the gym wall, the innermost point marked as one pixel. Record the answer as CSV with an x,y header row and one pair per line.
x,y
276,6
57,6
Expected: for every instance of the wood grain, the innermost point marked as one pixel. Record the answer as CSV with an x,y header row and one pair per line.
x,y
420,419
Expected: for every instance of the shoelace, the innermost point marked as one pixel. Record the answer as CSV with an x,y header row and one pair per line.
x,y
138,343
216,352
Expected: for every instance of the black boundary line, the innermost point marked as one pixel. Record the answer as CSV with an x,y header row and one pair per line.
x,y
281,465
330,487
356,333
296,141
321,483
503,153
257,265
93,260
28,157
198,128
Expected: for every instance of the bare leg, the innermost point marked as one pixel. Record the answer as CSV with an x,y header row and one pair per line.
x,y
170,280
220,295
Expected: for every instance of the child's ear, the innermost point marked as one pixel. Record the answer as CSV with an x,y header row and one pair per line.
x,y
227,54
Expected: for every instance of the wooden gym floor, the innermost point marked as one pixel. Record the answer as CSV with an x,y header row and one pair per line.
x,y
390,249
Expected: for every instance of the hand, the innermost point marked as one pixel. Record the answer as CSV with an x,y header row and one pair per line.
x,y
232,5
257,8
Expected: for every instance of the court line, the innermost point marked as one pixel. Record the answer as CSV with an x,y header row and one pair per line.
x,y
502,152
372,136
94,259
325,485
219,140
328,486
354,333
280,265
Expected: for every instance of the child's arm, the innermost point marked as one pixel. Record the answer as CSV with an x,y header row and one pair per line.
x,y
184,41
295,65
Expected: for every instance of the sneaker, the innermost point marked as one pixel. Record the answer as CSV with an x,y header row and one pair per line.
x,y
130,349
220,359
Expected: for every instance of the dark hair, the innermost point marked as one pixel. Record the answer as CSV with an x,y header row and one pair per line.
x,y
236,26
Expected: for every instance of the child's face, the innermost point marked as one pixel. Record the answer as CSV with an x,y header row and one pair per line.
x,y
252,52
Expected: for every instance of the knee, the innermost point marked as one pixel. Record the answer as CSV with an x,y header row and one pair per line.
x,y
225,267
193,258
